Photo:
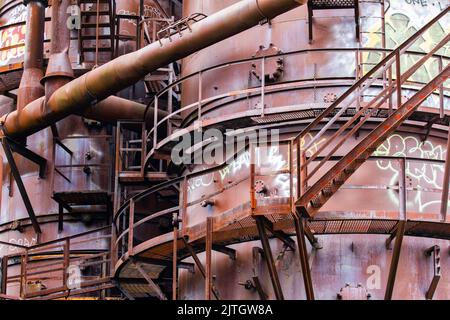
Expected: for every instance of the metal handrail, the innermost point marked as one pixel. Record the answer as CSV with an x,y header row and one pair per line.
x,y
126,231
206,100
401,49
364,113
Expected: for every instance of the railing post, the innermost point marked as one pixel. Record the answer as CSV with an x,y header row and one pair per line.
x,y
303,183
299,144
208,252
402,189
252,179
175,257
441,91
263,85
155,124
170,100
23,274
291,178
398,79
143,148
200,97
131,227
446,182
66,261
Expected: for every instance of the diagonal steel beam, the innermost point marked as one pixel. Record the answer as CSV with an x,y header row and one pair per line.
x,y
150,281
269,258
200,266
395,259
303,255
30,155
20,185
286,239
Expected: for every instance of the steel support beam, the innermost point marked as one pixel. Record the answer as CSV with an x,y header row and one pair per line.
x,y
394,261
20,185
225,250
175,258
269,258
283,237
200,266
124,292
303,255
4,275
436,252
150,281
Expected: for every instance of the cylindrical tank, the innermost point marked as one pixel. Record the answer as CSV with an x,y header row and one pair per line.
x,y
315,76
85,170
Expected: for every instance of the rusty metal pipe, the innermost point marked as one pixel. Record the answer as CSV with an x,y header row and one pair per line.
x,y
59,70
30,88
126,70
114,108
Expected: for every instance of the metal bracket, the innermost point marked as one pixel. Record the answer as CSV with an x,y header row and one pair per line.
x,y
28,154
225,250
395,259
200,266
436,252
261,224
277,233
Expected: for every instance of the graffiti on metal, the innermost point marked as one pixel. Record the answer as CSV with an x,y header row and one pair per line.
x,y
420,175
13,38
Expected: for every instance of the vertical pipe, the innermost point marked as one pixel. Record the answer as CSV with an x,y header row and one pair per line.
x,y
30,89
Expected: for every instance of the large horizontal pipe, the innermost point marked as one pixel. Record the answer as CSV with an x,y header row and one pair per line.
x,y
126,70
109,110
114,108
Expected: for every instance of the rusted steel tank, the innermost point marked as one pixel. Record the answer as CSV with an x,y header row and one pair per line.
x,y
311,78
83,170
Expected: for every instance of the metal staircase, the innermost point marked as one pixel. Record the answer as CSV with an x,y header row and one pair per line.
x,y
326,182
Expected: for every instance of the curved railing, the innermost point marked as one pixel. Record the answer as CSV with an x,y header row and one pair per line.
x,y
126,224
197,108
311,173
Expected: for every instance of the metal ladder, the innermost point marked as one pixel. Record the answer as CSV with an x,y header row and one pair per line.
x,y
102,8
